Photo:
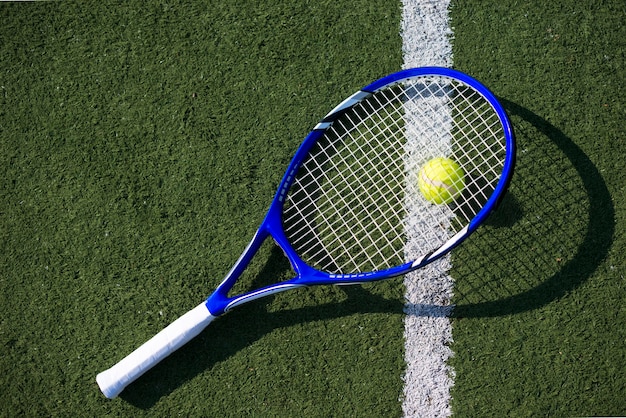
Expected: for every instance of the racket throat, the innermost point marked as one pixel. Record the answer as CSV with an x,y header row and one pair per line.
x,y
259,293
221,302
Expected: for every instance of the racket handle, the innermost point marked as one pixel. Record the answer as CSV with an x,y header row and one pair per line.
x,y
170,339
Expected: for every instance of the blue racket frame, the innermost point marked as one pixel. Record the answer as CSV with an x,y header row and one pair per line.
x,y
113,380
219,302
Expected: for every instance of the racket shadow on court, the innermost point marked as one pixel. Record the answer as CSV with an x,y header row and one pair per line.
x,y
550,233
552,230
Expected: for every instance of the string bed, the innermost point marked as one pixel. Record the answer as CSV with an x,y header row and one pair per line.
x,y
355,205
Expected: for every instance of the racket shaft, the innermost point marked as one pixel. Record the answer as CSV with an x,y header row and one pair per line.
x,y
170,339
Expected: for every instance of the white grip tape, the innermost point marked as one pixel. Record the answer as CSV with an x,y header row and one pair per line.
x,y
170,339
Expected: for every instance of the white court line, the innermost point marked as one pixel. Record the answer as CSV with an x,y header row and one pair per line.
x,y
428,378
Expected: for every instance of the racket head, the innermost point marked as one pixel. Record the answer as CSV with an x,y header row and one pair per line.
x,y
349,209
349,203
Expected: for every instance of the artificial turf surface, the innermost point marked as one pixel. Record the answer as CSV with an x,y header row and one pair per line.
x,y
142,143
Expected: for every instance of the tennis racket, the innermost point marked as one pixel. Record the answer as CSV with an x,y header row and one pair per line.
x,y
349,209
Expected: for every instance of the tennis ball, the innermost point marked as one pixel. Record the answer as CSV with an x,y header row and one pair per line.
x,y
441,180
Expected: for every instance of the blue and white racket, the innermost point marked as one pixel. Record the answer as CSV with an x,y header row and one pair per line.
x,y
349,209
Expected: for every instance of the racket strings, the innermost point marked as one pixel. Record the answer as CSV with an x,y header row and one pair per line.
x,y
355,203
482,158
345,191
347,186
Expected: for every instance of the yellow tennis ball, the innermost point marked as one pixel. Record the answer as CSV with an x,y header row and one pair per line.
x,y
441,180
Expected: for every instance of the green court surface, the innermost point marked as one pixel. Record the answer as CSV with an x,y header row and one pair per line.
x,y
141,144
